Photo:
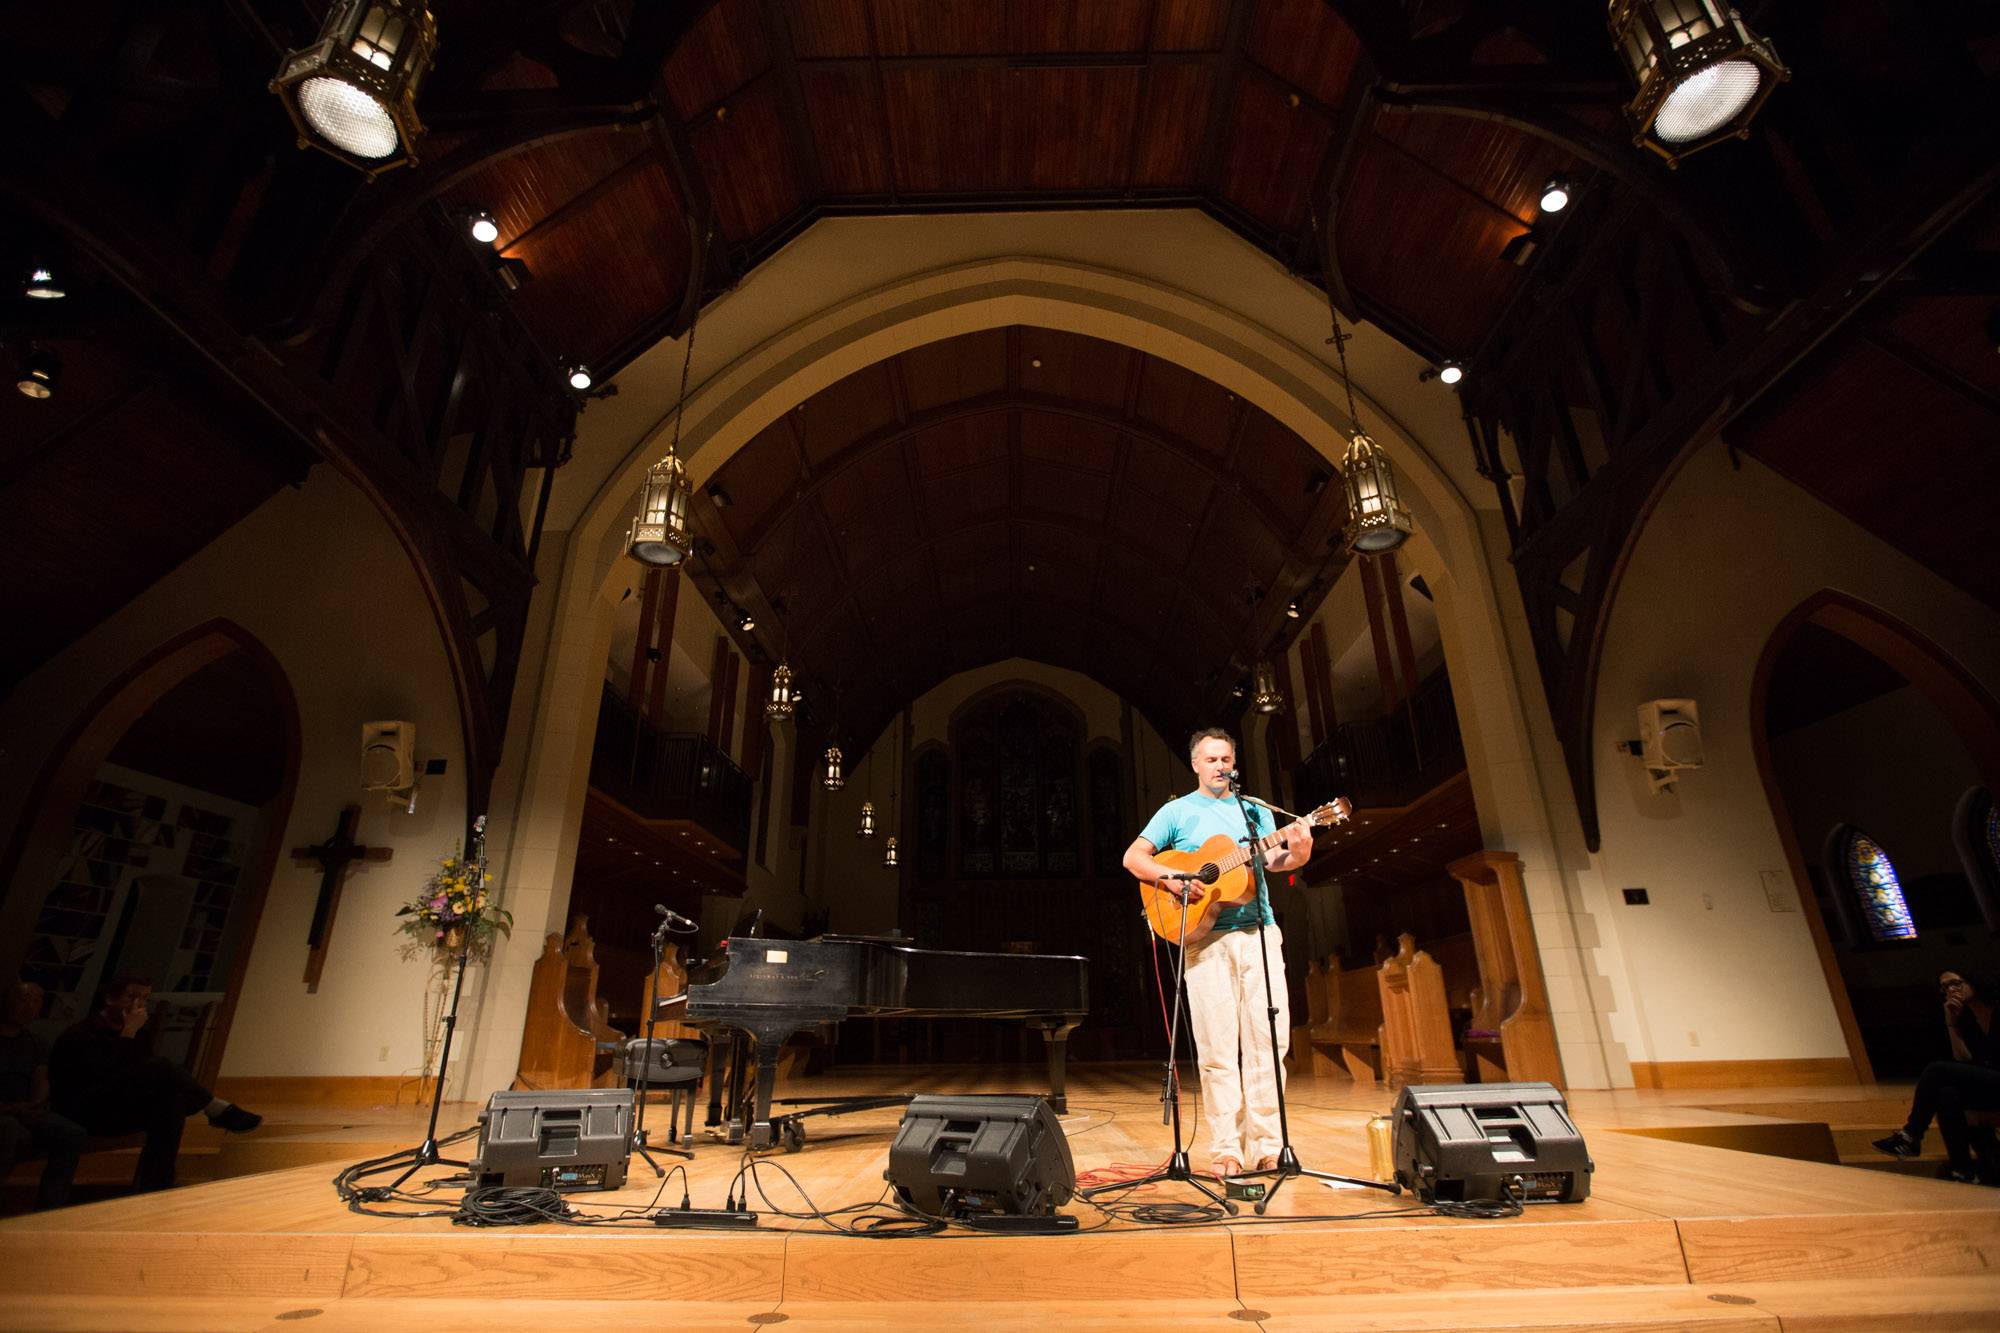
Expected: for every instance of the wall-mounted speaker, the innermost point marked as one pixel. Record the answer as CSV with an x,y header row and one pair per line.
x,y
388,756
1461,1141
983,1158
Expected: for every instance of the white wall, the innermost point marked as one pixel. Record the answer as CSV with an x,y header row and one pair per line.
x,y
1726,556
316,575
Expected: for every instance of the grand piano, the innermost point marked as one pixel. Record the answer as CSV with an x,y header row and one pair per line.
x,y
771,989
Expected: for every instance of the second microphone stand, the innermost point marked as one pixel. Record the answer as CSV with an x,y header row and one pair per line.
x,y
1288,1160
1177,1167
639,1143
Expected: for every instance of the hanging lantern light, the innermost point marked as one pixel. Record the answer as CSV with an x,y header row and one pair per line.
x,y
779,707
889,852
353,93
867,829
659,531
1376,518
834,779
1699,73
1264,697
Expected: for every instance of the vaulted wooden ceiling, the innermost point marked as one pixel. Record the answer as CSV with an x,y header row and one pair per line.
x,y
1023,492
641,158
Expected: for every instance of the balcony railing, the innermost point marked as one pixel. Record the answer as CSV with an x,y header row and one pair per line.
x,y
669,775
1387,761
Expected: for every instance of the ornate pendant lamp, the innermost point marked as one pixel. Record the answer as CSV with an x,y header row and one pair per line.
x,y
659,531
834,779
889,852
867,829
353,93
778,708
1376,518
1699,73
1377,521
1264,696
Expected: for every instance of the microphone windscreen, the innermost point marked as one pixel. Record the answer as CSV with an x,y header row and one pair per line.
x,y
1209,874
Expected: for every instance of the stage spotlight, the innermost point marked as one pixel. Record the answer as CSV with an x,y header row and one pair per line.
x,y
746,622
479,224
40,369
1521,250
1555,195
579,378
1450,372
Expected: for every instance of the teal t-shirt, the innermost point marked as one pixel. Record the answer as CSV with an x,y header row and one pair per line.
x,y
1185,823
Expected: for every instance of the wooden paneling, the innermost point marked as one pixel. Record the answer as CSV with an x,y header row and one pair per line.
x,y
1307,44
1178,96
747,160
844,112
725,50
1274,153
1742,1073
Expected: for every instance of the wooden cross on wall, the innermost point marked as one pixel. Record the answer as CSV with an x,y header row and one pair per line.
x,y
333,856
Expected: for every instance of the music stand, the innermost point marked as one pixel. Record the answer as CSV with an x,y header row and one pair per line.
x,y
1288,1160
1177,1167
639,1143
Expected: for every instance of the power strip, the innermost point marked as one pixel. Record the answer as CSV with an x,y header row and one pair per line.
x,y
713,1219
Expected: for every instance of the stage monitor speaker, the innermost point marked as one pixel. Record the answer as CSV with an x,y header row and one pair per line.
x,y
578,1139
1463,1141
981,1156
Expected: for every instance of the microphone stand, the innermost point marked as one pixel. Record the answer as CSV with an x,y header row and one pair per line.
x,y
639,1143
1177,1167
1288,1160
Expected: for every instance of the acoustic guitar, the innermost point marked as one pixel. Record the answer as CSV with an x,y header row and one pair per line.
x,y
1224,867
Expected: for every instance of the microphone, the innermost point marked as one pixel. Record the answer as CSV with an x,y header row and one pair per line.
x,y
1208,874
674,916
1235,778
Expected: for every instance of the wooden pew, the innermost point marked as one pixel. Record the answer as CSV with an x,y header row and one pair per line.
x,y
1346,1012
1512,999
1416,1022
566,1042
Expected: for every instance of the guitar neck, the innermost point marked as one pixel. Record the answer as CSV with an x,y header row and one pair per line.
x,y
1268,843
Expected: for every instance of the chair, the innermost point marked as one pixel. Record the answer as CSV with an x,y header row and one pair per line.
x,y
674,1065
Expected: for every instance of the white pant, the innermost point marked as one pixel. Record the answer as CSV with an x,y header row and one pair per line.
x,y
1232,1040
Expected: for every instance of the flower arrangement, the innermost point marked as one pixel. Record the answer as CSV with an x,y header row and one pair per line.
x,y
452,910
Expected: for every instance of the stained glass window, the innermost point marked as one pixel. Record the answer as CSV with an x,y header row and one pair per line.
x,y
1874,879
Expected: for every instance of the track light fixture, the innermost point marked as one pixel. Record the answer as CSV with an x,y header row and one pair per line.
x,y
579,378
745,621
353,93
1450,372
1555,195
39,371
42,285
1292,609
1699,75
481,227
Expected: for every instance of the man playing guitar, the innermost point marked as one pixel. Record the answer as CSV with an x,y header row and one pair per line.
x,y
1225,979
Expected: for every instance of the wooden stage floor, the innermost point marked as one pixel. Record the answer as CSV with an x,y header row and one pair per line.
x,y
1679,1233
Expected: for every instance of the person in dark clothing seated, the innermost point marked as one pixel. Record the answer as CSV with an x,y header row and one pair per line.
x,y
103,1076
1947,1089
27,1126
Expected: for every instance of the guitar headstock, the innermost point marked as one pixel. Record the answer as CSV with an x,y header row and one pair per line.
x,y
1335,811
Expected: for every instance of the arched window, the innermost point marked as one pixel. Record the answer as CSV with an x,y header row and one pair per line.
x,y
1108,833
1017,760
1857,863
1975,831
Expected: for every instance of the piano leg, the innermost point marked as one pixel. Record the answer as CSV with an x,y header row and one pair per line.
x,y
1057,1036
761,1133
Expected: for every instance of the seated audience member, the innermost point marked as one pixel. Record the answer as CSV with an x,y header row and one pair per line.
x,y
104,1076
1947,1089
27,1126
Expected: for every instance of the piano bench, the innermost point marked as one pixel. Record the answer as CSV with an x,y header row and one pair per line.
x,y
675,1066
